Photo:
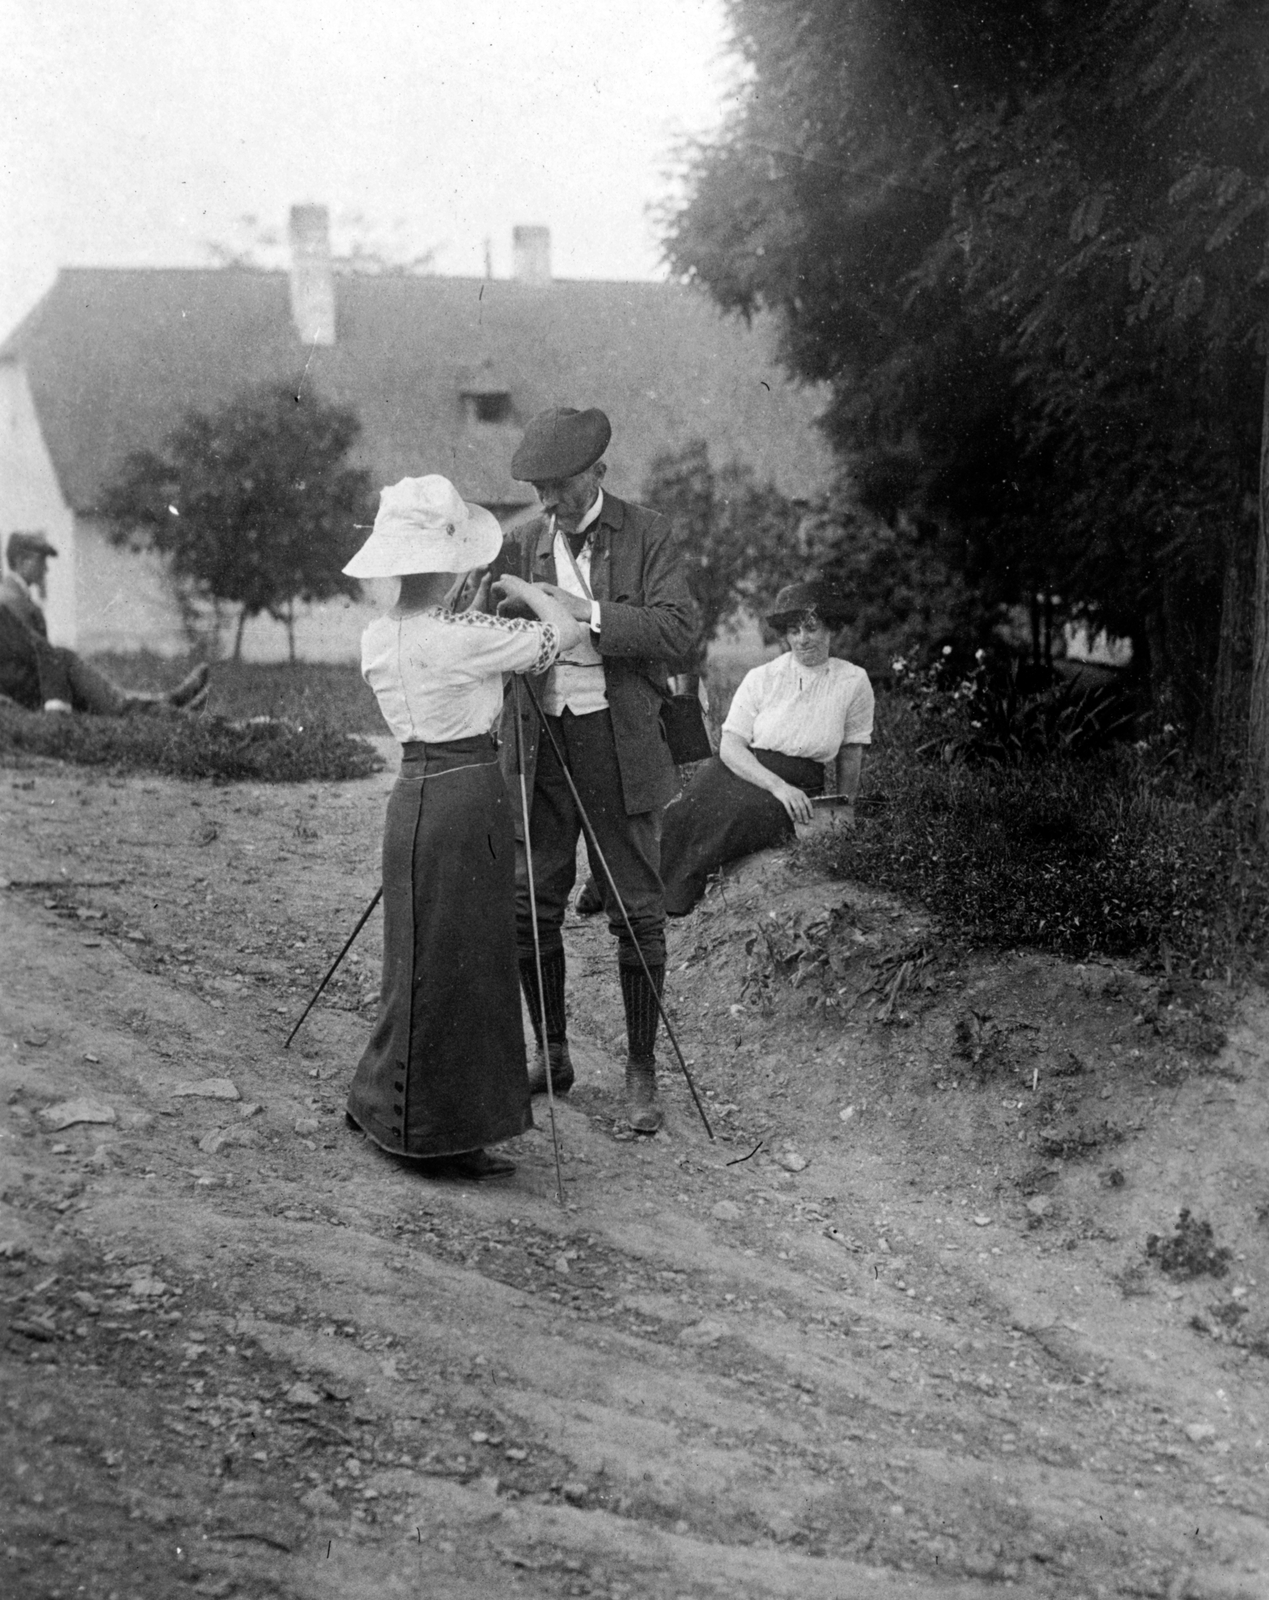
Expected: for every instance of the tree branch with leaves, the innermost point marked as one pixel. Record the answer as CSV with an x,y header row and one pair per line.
x,y
254,503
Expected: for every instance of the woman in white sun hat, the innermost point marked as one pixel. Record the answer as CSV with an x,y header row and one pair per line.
x,y
444,1074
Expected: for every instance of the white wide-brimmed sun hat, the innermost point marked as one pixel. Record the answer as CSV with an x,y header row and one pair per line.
x,y
425,525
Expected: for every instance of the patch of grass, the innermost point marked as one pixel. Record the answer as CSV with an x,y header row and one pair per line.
x,y
1113,854
1191,1252
332,692
189,746
726,665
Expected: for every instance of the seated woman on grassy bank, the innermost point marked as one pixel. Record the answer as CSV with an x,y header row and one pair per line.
x,y
444,1074
788,717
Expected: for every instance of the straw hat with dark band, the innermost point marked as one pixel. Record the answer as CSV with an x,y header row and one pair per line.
x,y
796,599
424,525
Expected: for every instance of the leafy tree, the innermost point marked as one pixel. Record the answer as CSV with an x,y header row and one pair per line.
x,y
253,503
1023,242
833,187
901,581
741,540
1117,223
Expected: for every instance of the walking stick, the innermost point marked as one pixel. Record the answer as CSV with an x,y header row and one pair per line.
x,y
537,947
361,922
593,839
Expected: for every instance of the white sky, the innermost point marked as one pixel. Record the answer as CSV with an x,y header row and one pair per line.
x,y
135,132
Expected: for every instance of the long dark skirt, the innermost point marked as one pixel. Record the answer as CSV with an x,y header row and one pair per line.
x,y
720,817
445,1067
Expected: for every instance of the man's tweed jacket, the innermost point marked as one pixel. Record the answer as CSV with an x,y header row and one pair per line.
x,y
647,619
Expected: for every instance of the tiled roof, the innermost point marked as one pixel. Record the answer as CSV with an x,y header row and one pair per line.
x,y
114,357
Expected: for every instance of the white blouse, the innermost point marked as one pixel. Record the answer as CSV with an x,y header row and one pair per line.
x,y
438,676
802,711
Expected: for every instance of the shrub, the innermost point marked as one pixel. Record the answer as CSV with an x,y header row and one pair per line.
x,y
1005,713
1115,854
1191,1252
266,751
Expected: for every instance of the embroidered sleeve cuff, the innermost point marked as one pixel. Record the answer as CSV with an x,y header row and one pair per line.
x,y
549,650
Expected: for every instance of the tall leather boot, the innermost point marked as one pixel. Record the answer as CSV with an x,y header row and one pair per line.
x,y
642,1111
642,1015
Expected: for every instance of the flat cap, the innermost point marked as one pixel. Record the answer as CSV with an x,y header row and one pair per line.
x,y
560,443
27,544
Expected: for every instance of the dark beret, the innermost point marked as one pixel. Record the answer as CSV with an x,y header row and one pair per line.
x,y
27,544
560,443
796,599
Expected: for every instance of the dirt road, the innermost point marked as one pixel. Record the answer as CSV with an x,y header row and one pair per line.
x,y
895,1332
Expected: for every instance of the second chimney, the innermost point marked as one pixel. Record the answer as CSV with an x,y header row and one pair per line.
x,y
312,281
531,254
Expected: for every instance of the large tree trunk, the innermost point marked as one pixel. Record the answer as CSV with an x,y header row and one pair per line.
x,y
1223,745
1258,718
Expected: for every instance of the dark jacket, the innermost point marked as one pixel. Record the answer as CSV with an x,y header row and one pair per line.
x,y
647,618
13,597
30,670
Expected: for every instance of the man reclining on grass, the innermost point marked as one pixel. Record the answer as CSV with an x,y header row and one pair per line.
x,y
40,676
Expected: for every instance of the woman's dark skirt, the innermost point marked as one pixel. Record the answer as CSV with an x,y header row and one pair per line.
x,y
720,817
445,1068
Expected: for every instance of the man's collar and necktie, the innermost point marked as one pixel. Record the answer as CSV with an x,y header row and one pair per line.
x,y
577,540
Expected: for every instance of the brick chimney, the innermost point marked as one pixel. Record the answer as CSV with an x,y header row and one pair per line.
x,y
312,282
531,254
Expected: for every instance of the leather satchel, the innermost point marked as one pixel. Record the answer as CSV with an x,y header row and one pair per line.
x,y
684,723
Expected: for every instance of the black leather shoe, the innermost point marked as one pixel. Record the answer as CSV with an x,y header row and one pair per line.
x,y
190,687
561,1069
477,1165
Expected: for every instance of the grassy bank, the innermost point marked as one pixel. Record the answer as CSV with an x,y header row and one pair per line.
x,y
1115,852
262,723
333,693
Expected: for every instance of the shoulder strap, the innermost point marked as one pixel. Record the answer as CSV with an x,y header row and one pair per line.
x,y
577,571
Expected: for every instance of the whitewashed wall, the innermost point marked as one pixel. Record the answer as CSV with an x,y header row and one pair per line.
x,y
31,499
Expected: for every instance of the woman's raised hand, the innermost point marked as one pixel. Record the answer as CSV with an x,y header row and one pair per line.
x,y
479,600
521,599
794,802
514,596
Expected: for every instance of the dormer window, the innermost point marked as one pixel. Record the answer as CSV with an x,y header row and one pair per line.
x,y
488,405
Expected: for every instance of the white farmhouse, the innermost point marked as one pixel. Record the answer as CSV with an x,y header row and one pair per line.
x,y
441,372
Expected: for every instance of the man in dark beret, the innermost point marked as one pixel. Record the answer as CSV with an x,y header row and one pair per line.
x,y
42,677
614,565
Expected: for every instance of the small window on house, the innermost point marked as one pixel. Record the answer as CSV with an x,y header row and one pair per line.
x,y
491,406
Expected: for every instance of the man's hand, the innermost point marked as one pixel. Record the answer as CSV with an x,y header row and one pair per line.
x,y
575,604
